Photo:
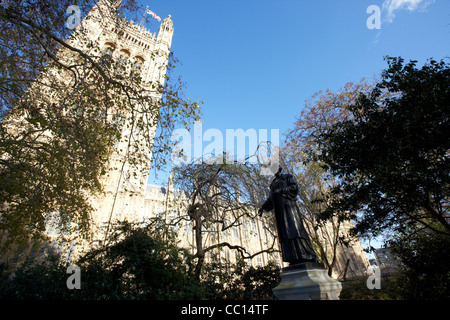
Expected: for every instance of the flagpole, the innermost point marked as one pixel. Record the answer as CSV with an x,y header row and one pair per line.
x,y
142,20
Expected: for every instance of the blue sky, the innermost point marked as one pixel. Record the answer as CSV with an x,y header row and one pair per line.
x,y
255,62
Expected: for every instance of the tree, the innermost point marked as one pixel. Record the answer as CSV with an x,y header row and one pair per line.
x,y
298,156
391,158
259,282
139,263
423,270
34,281
64,106
142,262
220,197
319,114
240,281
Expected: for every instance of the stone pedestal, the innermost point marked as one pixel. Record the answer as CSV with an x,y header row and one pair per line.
x,y
307,281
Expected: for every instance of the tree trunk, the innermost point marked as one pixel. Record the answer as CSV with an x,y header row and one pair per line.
x,y
200,254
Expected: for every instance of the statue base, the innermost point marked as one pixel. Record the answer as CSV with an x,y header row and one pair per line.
x,y
307,281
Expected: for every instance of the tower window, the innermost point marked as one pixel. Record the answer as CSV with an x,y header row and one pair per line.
x,y
121,66
108,49
137,65
124,55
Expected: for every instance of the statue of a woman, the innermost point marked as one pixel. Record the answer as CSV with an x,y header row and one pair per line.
x,y
296,246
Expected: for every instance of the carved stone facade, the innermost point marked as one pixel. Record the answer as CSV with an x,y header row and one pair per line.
x,y
124,184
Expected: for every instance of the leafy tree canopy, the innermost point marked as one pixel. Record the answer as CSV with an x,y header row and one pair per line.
x,y
392,157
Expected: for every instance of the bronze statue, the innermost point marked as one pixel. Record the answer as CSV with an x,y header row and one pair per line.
x,y
296,246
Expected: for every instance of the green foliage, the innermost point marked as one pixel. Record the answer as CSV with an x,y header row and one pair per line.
x,y
424,270
391,158
34,281
240,282
139,263
142,263
259,282
356,289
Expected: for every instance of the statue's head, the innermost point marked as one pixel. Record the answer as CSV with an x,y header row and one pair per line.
x,y
279,171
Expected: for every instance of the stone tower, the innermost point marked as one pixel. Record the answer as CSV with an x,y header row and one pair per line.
x,y
148,52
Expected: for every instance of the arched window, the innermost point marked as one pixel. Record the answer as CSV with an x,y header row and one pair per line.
x,y
108,49
121,65
124,55
137,65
